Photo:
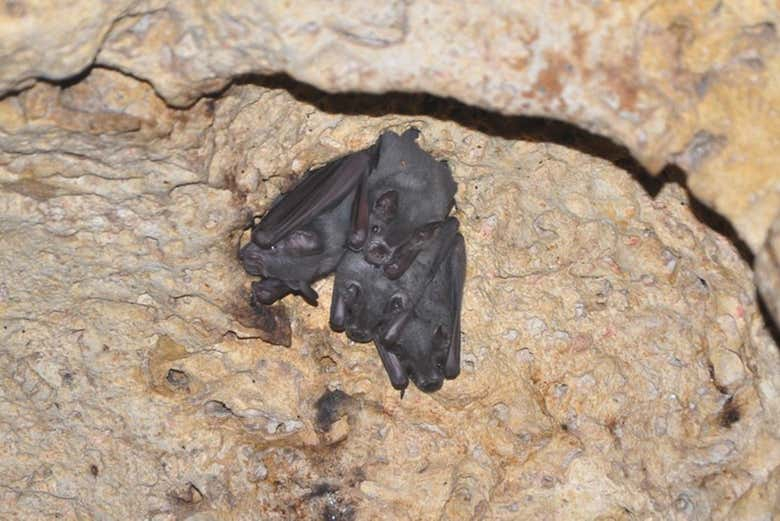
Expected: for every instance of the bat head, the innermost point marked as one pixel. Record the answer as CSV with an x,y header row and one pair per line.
x,y
385,211
409,188
281,258
422,348
360,322
363,298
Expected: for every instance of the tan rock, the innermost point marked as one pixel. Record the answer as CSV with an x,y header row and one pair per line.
x,y
615,362
691,84
52,41
768,270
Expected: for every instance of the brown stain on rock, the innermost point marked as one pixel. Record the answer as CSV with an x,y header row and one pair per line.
x,y
32,188
579,42
620,84
518,63
549,79
163,358
271,323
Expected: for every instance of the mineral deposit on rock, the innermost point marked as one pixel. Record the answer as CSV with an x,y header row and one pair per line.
x,y
615,361
691,83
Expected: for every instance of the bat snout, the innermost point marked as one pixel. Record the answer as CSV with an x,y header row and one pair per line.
x,y
427,384
377,253
427,381
360,335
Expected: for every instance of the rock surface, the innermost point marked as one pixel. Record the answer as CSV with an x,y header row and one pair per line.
x,y
768,270
691,83
615,363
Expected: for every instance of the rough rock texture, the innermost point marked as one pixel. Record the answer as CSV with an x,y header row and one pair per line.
x,y
768,270
691,83
615,363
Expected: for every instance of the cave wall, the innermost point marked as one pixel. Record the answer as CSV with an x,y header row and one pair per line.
x,y
694,84
616,362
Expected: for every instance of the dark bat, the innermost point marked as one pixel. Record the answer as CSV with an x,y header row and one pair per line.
x,y
423,344
401,282
407,190
304,234
365,298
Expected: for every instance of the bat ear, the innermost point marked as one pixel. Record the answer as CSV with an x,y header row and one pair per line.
x,y
338,312
301,243
386,207
452,363
440,339
411,134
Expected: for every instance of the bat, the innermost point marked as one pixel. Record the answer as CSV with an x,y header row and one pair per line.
x,y
423,344
364,297
378,218
304,235
407,190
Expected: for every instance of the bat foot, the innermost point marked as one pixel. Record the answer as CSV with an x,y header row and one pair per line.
x,y
311,301
307,292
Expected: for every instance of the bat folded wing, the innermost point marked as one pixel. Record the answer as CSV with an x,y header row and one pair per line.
x,y
319,191
423,343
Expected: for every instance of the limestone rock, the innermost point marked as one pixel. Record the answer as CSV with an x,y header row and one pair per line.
x,y
615,362
696,84
52,40
768,270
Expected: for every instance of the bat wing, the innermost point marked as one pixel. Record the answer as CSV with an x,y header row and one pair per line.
x,y
446,237
320,190
424,345
360,215
456,279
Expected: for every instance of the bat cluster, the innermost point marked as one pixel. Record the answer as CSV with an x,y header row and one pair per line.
x,y
379,219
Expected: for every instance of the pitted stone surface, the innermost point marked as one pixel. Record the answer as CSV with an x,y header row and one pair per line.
x,y
615,363
696,84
